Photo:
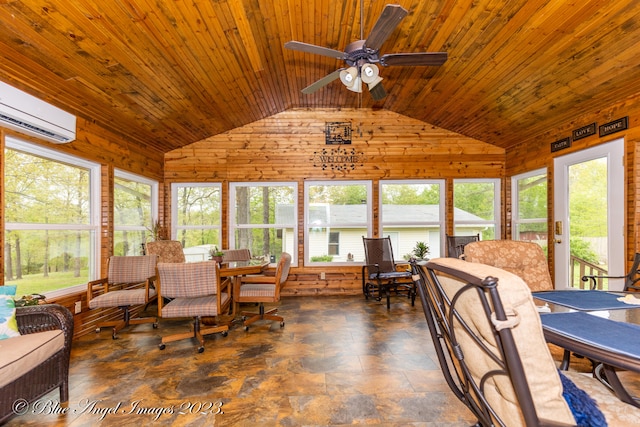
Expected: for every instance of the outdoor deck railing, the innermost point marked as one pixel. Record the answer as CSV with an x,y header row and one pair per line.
x,y
579,268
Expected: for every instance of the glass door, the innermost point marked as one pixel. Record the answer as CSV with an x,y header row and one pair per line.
x,y
588,227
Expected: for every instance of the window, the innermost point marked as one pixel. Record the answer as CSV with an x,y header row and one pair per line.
x,y
342,207
197,218
52,219
334,243
529,199
264,218
412,212
134,212
476,208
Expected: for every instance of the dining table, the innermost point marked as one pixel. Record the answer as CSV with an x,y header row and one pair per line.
x,y
603,326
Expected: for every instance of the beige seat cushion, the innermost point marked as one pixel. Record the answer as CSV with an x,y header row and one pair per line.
x,y
538,363
21,354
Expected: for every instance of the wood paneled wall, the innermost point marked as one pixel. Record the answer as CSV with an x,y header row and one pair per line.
x,y
285,147
536,153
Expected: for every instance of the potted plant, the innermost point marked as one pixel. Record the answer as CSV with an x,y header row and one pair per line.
x,y
421,250
216,254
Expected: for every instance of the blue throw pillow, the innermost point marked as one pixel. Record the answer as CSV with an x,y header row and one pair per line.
x,y
584,409
8,323
8,289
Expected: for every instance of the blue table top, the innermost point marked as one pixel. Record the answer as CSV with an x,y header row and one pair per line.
x,y
584,300
618,337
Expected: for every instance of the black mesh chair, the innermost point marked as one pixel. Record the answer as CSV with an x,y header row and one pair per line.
x,y
456,244
631,279
380,274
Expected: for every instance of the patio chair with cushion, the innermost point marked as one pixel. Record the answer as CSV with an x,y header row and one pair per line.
x,y
492,352
129,282
35,361
380,273
456,244
524,259
631,279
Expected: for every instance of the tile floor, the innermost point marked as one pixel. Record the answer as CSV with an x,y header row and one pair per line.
x,y
338,361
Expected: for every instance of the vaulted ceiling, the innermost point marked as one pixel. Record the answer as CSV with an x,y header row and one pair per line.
x,y
171,72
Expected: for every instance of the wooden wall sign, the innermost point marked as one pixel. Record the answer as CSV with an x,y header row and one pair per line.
x,y
337,133
338,159
560,144
614,126
584,131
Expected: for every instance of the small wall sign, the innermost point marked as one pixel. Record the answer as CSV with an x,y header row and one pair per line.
x,y
560,144
338,159
584,131
614,126
337,133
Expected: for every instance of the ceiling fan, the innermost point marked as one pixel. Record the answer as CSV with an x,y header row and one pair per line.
x,y
361,56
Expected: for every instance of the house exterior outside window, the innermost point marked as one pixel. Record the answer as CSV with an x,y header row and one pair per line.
x,y
412,211
342,207
477,208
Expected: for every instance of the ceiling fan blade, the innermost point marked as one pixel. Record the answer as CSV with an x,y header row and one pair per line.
x,y
387,22
322,82
312,48
414,59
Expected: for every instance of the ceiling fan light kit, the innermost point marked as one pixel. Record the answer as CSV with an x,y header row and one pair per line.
x,y
362,55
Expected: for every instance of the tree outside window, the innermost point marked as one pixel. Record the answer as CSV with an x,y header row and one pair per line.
x,y
50,201
134,212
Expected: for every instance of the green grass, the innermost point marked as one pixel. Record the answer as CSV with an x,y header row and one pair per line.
x,y
38,284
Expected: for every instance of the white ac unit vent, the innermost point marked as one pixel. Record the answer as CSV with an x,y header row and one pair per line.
x,y
28,114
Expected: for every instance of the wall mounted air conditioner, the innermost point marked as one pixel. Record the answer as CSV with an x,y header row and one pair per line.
x,y
28,114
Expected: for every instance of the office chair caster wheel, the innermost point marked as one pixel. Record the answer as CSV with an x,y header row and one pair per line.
x,y
114,335
225,333
200,349
282,324
155,326
246,328
97,330
161,346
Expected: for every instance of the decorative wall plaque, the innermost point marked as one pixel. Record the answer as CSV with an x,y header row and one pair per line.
x,y
561,144
337,133
584,131
338,159
614,126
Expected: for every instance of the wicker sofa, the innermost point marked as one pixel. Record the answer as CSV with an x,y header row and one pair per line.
x,y
37,361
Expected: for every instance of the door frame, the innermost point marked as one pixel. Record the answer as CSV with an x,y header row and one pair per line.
x,y
614,152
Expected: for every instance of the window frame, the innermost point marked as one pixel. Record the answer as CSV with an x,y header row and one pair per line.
x,y
368,225
155,185
233,225
175,227
497,202
95,197
397,252
515,207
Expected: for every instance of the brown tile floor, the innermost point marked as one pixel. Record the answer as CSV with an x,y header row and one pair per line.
x,y
338,361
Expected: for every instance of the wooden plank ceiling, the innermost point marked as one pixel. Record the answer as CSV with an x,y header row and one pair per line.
x,y
167,73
